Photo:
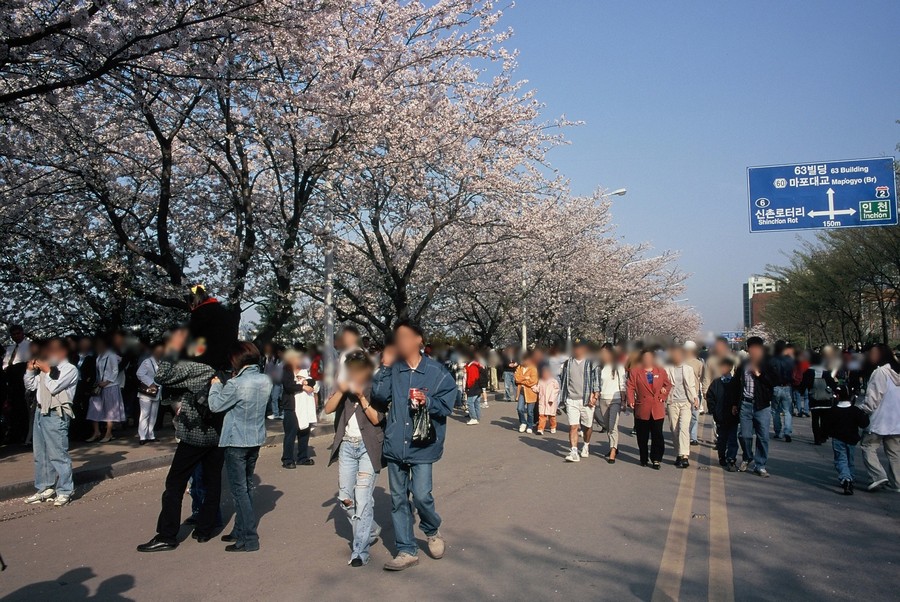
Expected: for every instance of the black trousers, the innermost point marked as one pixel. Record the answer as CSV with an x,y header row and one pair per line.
x,y
18,414
650,430
186,459
818,424
293,433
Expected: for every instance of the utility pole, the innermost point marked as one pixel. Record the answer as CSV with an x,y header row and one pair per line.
x,y
329,369
524,315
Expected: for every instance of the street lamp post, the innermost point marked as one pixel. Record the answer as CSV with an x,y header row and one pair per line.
x,y
328,352
524,315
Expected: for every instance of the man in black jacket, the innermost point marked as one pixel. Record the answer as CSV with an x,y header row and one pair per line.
x,y
723,399
757,379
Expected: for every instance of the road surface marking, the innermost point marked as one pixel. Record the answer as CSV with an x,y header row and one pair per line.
x,y
671,567
721,569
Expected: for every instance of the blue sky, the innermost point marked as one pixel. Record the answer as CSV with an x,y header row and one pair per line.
x,y
679,98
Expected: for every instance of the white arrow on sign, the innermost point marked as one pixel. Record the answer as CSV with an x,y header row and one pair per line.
x,y
831,210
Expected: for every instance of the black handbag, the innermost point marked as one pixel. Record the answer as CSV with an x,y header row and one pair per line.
x,y
423,430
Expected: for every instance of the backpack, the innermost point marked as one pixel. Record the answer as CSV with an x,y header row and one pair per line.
x,y
820,390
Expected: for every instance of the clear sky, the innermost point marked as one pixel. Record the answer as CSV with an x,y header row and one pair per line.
x,y
679,98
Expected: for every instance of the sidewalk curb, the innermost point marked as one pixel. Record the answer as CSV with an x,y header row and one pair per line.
x,y
81,476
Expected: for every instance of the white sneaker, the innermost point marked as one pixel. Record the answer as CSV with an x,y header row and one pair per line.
x,y
41,496
62,500
485,405
877,485
522,428
585,451
539,432
270,417
472,421
744,466
573,457
529,431
553,431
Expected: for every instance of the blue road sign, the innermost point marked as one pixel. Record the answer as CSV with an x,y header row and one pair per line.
x,y
826,194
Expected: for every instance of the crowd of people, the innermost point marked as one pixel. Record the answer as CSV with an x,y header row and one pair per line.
x,y
391,404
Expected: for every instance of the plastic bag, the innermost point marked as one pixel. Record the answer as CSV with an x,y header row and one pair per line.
x,y
423,431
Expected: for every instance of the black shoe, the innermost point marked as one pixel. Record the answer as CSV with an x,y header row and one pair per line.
x,y
678,462
645,464
695,442
656,466
235,548
289,465
787,439
722,462
229,538
191,520
356,562
731,467
156,545
685,463
847,486
306,462
200,538
142,442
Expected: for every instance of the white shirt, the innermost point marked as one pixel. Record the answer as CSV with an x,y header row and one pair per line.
x,y
612,382
22,351
146,373
108,368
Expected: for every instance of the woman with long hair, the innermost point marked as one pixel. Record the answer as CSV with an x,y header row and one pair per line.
x,y
613,385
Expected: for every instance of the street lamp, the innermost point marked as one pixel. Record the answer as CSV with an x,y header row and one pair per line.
x,y
524,315
328,352
618,192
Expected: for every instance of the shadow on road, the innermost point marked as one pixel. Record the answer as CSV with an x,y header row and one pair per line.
x,y
71,587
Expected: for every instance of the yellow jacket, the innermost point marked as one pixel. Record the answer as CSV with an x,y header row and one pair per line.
x,y
526,377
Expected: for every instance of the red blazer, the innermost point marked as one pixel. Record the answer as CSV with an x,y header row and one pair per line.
x,y
649,400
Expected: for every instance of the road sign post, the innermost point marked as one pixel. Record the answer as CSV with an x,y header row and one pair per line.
x,y
827,194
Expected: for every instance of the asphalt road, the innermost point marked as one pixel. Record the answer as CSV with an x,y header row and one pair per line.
x,y
518,520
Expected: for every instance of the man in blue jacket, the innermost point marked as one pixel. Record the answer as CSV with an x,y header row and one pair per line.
x,y
411,382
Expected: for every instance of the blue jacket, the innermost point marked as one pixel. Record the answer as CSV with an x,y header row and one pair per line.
x,y
245,397
391,387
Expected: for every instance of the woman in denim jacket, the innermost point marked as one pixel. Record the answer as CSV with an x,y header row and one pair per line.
x,y
244,398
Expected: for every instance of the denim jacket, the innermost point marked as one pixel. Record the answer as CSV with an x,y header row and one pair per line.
x,y
244,398
391,386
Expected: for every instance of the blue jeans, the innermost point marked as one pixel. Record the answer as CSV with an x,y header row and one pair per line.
x,y
240,462
526,412
356,484
274,398
801,401
52,464
695,418
415,480
474,403
782,398
509,385
843,459
755,422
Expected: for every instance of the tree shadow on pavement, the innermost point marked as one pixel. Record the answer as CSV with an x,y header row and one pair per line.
x,y
71,587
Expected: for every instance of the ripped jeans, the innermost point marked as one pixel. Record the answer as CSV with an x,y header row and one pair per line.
x,y
357,485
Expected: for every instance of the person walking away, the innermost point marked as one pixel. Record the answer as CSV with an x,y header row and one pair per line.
x,y
613,383
243,399
474,389
298,404
526,377
357,447
757,383
510,364
149,394
783,394
410,384
697,365
882,405
723,400
801,395
820,385
547,391
53,379
683,400
842,423
186,385
106,404
646,393
579,388
273,367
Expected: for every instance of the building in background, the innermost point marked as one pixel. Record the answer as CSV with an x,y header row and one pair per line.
x,y
758,291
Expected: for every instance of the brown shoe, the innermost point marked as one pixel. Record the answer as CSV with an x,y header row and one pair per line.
x,y
401,562
436,546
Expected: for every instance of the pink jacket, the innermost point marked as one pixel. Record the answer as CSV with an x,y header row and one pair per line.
x,y
548,396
